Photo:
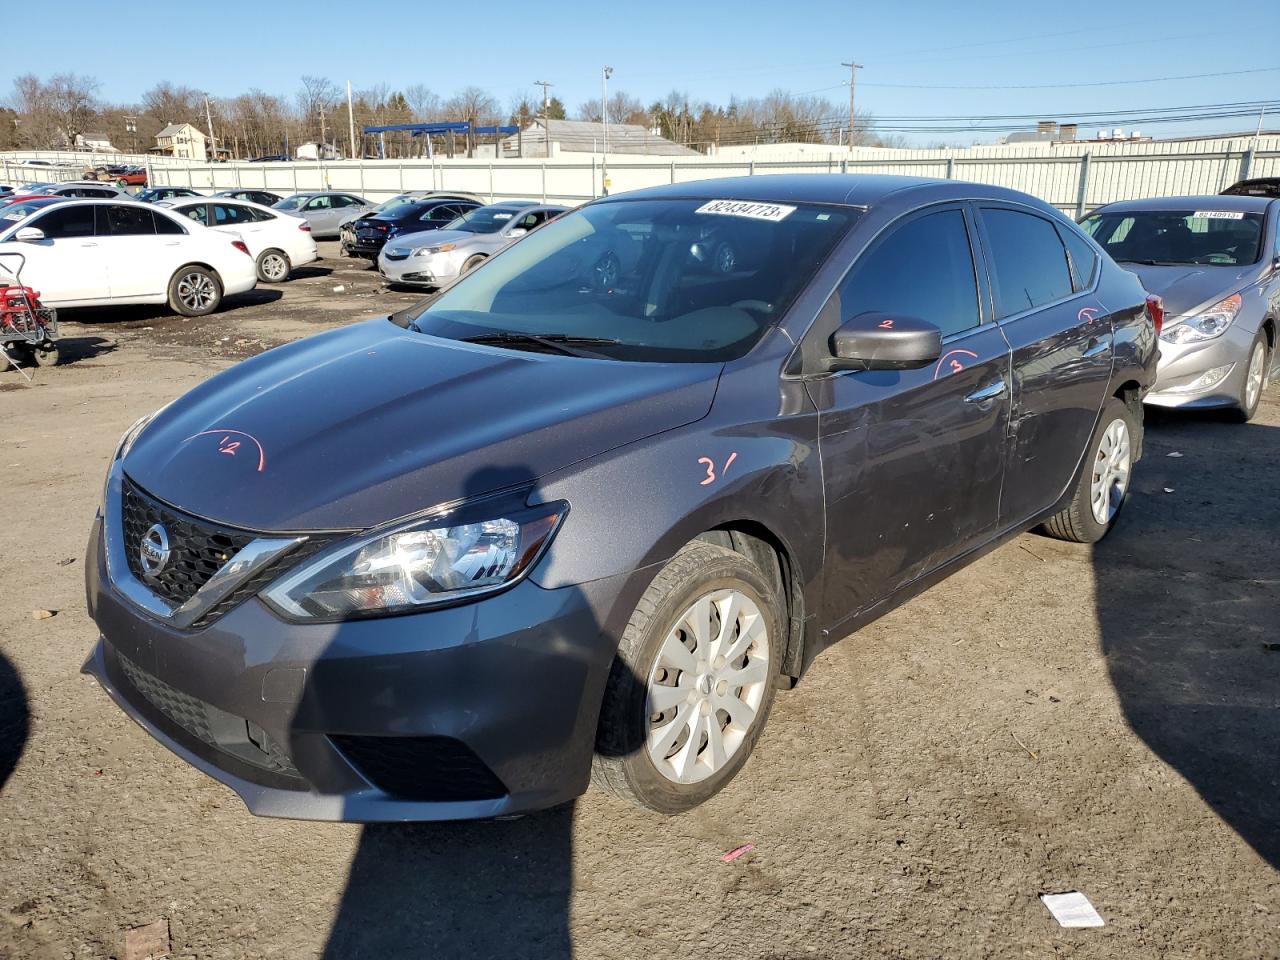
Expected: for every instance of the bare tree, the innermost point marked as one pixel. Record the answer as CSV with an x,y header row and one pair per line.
x,y
423,103
472,103
316,101
623,108
37,125
74,104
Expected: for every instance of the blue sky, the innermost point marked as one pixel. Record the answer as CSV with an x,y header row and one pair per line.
x,y
711,50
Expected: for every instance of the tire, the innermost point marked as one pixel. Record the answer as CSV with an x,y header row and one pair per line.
x,y
1258,362
273,266
194,291
633,759
725,258
1079,521
473,262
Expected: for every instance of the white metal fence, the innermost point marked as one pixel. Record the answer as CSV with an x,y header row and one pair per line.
x,y
1074,177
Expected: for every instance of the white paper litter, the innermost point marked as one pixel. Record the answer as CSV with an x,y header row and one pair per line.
x,y
1174,454
1072,909
339,288
1168,489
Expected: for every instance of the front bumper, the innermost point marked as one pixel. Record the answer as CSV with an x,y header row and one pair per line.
x,y
1182,364
432,270
478,710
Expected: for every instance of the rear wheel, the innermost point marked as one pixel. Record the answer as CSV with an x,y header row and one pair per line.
x,y
273,266
1103,484
1255,379
692,682
194,291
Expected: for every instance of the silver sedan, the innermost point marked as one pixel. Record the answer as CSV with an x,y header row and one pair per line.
x,y
326,210
434,258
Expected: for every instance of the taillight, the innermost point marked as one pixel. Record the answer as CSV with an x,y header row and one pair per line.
x,y
1155,307
304,227
240,245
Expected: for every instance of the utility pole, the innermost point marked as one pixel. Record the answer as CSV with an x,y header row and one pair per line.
x,y
546,115
131,128
604,116
351,122
208,115
853,83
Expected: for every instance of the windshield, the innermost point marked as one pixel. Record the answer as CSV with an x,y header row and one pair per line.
x,y
395,202
660,280
483,220
1225,237
292,203
23,209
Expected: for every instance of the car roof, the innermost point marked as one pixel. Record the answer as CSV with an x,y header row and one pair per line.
x,y
1201,201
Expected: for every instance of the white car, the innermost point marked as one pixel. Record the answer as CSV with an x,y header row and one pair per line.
x,y
277,241
94,253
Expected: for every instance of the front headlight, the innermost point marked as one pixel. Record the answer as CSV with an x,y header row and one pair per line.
x,y
439,248
426,563
1204,325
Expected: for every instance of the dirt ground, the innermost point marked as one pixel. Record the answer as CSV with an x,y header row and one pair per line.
x,y
1052,718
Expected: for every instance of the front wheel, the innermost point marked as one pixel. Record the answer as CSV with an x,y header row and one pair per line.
x,y
472,263
692,682
1103,485
1255,379
273,266
194,291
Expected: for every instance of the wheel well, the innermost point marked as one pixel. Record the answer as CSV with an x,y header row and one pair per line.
x,y
1130,394
758,543
1269,325
197,263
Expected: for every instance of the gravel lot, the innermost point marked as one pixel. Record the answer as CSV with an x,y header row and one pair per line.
x,y
1052,718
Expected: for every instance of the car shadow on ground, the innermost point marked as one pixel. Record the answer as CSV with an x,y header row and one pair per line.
x,y
15,719
309,272
137,315
1188,589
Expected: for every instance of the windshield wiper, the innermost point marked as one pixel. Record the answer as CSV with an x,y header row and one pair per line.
x,y
1156,263
556,342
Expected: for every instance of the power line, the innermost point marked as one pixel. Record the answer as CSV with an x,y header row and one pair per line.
x,y
1061,86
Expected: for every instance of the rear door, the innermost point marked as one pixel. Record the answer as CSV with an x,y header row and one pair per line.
x,y
912,459
1061,338
69,264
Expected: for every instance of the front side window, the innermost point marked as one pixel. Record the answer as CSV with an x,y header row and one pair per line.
x,y
1028,261
1175,237
73,220
923,269
659,280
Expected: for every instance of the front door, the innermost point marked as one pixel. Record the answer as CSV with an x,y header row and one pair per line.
x,y
912,459
69,264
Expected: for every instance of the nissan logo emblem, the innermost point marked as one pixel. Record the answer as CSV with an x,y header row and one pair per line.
x,y
154,551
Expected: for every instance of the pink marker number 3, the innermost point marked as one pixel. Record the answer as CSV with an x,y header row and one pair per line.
x,y
710,466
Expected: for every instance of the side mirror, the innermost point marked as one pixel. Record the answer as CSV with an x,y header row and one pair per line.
x,y
517,232
882,341
29,235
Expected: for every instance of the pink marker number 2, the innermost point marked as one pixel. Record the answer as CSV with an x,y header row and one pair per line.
x,y
710,466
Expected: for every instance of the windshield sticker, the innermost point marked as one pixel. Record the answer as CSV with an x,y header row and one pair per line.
x,y
1218,215
503,216
743,208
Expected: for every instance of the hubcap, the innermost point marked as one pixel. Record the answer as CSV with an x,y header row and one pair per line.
x,y
195,290
726,259
1254,375
273,266
1110,472
706,686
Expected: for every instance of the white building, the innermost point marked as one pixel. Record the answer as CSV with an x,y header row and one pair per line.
x,y
182,141
554,137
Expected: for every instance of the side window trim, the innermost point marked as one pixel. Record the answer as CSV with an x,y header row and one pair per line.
x,y
981,205
1089,283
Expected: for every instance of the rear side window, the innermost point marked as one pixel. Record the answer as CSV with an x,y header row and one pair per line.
x,y
225,215
260,216
1028,262
1083,259
891,277
167,225
73,220
126,221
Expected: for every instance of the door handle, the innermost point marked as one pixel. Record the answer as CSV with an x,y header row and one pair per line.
x,y
1097,346
88,244
171,243
989,392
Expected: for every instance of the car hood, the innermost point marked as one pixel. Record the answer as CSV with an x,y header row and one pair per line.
x,y
373,422
1186,288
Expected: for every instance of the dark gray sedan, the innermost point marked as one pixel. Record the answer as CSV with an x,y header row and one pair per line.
x,y
557,524
1215,261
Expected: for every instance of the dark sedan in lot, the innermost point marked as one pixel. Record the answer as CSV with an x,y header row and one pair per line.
x,y
264,197
553,525
366,236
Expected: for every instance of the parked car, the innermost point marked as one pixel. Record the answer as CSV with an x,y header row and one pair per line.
x,y
130,176
326,211
33,188
94,253
277,241
83,188
1215,260
434,258
5,190
365,236
152,194
1258,187
264,197
22,207
450,562
270,158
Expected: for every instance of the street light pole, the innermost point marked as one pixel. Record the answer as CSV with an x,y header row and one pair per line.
x,y
208,115
546,116
605,74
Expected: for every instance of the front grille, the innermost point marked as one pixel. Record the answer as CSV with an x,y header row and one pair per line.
x,y
392,255
213,727
197,548
427,769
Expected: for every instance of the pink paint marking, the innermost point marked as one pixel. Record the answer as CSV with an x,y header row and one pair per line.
x,y
226,435
711,471
736,852
732,457
886,324
937,371
1087,314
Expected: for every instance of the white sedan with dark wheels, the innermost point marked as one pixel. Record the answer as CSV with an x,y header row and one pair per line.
x,y
277,241
94,253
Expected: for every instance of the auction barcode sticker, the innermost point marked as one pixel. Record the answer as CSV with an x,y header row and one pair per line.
x,y
746,208
1218,215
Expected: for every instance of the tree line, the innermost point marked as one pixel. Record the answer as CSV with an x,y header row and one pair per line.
x,y
52,113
